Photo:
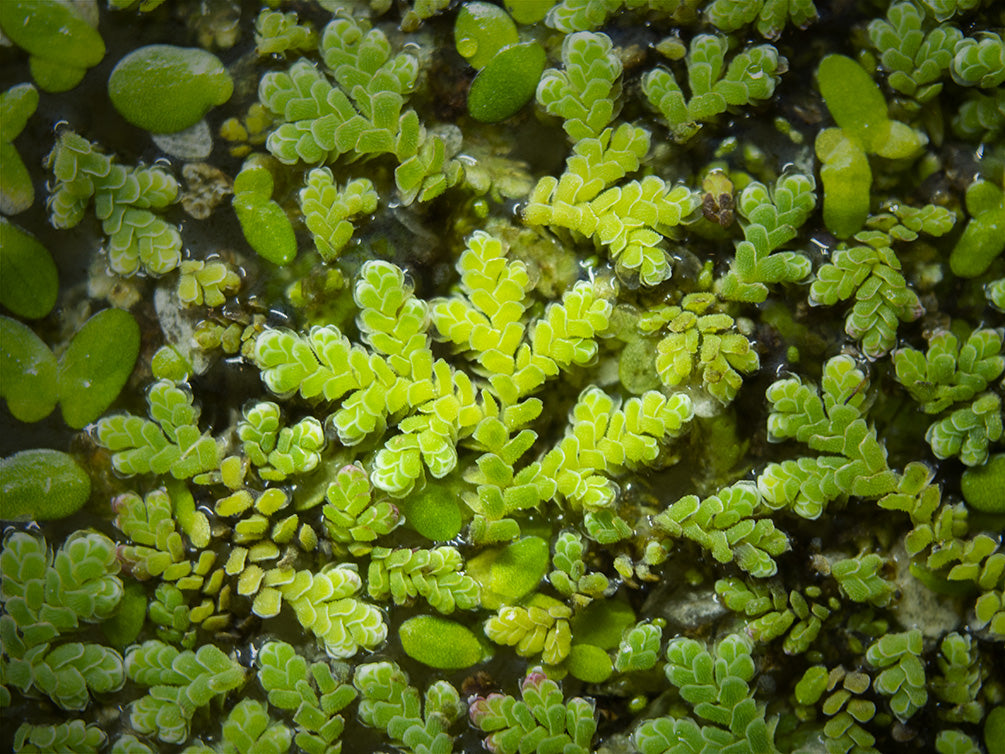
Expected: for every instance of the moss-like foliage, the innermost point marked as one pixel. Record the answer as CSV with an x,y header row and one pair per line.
x,y
328,210
630,219
310,691
841,692
588,15
717,685
769,16
732,525
278,451
123,197
202,283
539,718
278,33
915,55
831,421
902,677
389,703
72,737
248,729
951,373
48,596
702,345
353,519
773,218
435,575
751,76
540,627
361,115
180,683
871,274
170,441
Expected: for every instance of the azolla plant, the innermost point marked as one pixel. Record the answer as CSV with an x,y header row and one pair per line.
x,y
521,376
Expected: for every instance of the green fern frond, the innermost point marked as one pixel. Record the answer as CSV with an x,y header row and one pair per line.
x,y
771,16
902,677
980,62
353,519
751,76
540,627
436,575
123,197
539,718
73,737
328,210
871,274
277,33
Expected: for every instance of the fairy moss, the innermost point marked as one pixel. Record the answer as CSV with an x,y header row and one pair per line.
x,y
574,375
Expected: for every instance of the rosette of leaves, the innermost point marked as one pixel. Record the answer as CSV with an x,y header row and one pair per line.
x,y
871,275
325,604
702,344
769,16
436,575
361,115
329,210
71,737
540,720
398,378
771,612
487,319
902,671
639,648
716,684
981,117
773,217
248,729
206,283
123,198
569,575
279,451
961,674
47,596
830,420
180,684
353,519
538,627
979,62
915,59
159,548
630,219
311,692
418,723
733,525
750,77
169,441
843,703
952,372
278,33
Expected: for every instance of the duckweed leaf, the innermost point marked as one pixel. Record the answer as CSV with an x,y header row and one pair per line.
x,y
440,643
511,573
165,89
435,513
481,30
16,191
96,366
506,83
29,282
41,485
27,372
61,44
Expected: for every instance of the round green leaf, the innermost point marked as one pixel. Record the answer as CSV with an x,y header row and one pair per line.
x,y
510,573
127,622
440,643
983,487
529,11
17,104
434,513
853,98
29,282
266,227
589,663
96,365
41,485
16,190
602,622
28,372
51,30
481,30
166,89
994,730
506,83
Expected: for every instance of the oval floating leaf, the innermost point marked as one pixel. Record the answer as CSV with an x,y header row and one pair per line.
x,y
165,89
506,83
481,30
95,367
589,663
434,513
41,485
28,372
440,643
29,282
